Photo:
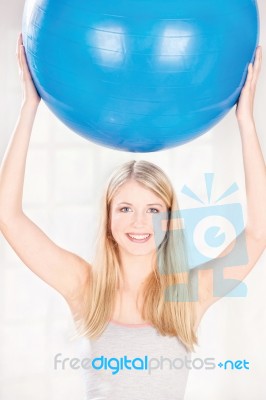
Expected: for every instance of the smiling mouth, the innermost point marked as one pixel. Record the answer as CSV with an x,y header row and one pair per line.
x,y
138,238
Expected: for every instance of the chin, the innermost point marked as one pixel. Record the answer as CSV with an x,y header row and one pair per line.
x,y
137,252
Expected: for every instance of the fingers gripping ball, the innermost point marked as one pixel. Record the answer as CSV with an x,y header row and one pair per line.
x,y
140,75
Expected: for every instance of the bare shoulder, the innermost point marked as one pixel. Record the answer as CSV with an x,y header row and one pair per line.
x,y
63,270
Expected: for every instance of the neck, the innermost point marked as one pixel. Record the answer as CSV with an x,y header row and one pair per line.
x,y
135,269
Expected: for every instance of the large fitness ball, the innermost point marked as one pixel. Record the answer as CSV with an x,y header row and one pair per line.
x,y
140,75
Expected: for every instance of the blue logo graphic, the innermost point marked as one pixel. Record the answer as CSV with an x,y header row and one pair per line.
x,y
207,231
116,364
125,364
238,364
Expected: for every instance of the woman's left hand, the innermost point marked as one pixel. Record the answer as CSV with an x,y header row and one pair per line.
x,y
244,108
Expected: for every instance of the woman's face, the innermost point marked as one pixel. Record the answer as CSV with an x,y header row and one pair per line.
x,y
132,213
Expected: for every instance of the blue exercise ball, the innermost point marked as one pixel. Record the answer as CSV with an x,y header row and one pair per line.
x,y
141,75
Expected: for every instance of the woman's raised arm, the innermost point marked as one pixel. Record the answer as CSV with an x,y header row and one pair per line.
x,y
215,273
64,271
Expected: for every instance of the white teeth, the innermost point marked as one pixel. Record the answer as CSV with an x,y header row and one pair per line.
x,y
139,236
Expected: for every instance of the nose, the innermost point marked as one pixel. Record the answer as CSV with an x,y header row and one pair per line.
x,y
139,219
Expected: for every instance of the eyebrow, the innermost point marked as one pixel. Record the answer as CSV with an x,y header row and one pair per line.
x,y
129,204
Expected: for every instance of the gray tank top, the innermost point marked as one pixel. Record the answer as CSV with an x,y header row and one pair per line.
x,y
134,362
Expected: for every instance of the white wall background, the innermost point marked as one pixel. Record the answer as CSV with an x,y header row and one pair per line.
x,y
35,321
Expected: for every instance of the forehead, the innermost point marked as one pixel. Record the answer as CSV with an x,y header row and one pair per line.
x,y
134,192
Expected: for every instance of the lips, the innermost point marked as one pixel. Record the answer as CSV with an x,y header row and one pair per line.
x,y
138,237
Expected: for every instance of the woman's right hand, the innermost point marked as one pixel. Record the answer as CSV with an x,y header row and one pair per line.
x,y
30,94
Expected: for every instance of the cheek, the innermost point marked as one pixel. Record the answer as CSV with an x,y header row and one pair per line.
x,y
117,223
160,227
160,232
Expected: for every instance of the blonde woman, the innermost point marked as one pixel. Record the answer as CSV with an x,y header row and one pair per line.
x,y
137,303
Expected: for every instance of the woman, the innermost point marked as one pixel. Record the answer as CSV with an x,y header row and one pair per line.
x,y
138,296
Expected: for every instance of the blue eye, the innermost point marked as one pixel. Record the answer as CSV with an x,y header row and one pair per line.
x,y
156,211
124,209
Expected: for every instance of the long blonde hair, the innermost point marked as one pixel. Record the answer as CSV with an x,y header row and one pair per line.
x,y
166,291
